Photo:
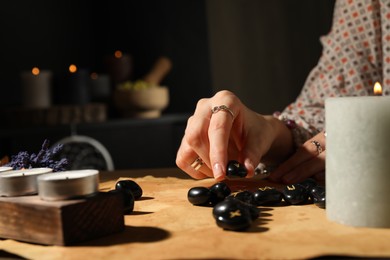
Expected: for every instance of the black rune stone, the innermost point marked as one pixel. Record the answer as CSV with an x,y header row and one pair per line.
x,y
128,200
233,214
318,196
267,196
235,169
295,194
308,184
243,195
199,196
130,185
218,192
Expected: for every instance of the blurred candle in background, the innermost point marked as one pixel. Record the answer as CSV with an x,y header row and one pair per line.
x,y
119,67
100,87
78,86
36,88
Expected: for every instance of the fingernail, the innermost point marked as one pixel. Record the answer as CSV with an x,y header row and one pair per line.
x,y
250,168
218,173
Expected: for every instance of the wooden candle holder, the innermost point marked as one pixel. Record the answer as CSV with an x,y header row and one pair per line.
x,y
67,222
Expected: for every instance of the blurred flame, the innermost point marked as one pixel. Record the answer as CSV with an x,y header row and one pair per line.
x,y
377,89
94,75
72,68
118,54
35,71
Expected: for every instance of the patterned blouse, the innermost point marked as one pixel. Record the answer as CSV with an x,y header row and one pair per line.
x,y
355,55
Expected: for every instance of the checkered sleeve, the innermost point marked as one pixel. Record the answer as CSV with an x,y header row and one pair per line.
x,y
350,63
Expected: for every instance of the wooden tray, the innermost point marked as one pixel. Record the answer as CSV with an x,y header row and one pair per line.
x,y
30,219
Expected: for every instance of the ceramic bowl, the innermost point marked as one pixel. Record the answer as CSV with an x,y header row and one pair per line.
x,y
142,103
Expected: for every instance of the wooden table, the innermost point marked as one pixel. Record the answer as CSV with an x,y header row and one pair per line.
x,y
164,225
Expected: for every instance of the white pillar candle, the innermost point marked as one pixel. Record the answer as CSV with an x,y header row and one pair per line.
x,y
68,184
20,182
36,88
358,160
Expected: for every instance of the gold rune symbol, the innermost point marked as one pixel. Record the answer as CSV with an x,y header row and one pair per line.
x,y
234,194
236,213
265,188
292,187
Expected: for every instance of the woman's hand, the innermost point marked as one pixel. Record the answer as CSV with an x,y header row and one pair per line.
x,y
232,133
307,161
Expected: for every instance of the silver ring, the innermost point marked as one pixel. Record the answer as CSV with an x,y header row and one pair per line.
x,y
216,109
197,163
318,146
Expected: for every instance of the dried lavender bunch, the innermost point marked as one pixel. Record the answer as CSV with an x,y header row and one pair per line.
x,y
44,158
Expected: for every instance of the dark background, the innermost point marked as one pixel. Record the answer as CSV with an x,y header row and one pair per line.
x,y
54,34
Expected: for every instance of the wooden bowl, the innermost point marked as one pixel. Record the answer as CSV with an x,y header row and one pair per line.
x,y
142,103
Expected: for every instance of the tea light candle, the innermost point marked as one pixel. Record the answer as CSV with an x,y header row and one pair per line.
x,y
68,184
20,182
357,160
36,88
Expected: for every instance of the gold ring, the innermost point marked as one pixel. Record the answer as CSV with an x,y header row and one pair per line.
x,y
216,109
318,146
197,163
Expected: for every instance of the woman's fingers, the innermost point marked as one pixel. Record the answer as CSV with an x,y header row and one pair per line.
x,y
188,161
221,123
320,176
305,170
252,151
196,138
195,144
220,131
207,136
310,154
